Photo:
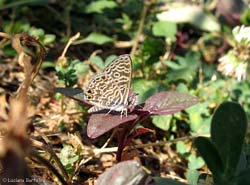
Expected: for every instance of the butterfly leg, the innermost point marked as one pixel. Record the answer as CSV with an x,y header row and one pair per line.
x,y
125,111
109,111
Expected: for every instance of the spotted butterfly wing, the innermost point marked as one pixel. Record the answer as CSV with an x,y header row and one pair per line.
x,y
110,89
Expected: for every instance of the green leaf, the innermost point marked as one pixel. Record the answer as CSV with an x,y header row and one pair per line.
x,y
162,122
38,32
243,177
67,75
16,27
194,15
245,17
181,87
181,147
109,59
69,168
126,21
96,38
198,123
165,181
58,96
165,29
242,164
23,3
184,68
205,179
48,64
146,88
241,92
228,129
211,156
192,176
98,61
99,6
49,38
68,155
148,49
81,68
195,162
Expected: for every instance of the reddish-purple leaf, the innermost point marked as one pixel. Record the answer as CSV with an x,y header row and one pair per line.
x,y
101,123
127,172
169,102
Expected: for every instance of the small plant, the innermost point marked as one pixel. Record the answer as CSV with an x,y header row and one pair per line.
x,y
163,103
68,158
223,153
67,74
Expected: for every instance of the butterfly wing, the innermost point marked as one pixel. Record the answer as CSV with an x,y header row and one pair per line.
x,y
110,89
102,92
121,70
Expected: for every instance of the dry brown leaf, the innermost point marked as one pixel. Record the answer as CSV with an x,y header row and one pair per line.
x,y
30,56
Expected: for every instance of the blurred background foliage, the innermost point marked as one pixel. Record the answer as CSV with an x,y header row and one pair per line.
x,y
188,46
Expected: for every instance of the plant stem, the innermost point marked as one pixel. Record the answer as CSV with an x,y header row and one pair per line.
x,y
121,137
139,32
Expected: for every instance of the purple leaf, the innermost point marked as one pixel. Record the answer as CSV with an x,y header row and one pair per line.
x,y
169,102
101,123
127,172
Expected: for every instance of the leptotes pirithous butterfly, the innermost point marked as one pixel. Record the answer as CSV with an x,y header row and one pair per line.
x,y
110,89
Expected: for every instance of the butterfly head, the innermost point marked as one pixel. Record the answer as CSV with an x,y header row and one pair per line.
x,y
88,95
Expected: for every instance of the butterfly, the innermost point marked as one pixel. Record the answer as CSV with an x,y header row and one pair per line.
x,y
110,88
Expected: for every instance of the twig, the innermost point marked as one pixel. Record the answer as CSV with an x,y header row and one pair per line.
x,y
139,32
124,44
98,151
102,150
110,138
5,35
170,141
71,40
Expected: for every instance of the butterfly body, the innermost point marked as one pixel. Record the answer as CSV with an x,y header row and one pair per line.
x,y
110,88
